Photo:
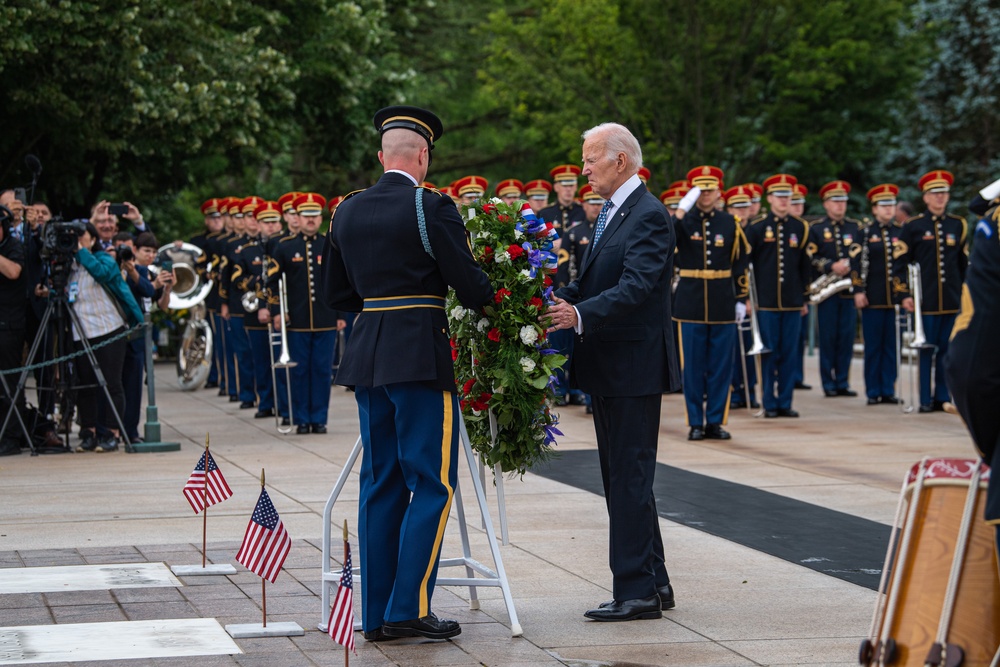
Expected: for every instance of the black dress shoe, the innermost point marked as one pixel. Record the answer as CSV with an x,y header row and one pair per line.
x,y
924,409
590,409
377,635
628,610
716,432
737,405
846,392
263,414
770,414
234,399
938,406
874,400
696,433
830,393
803,385
561,401
319,428
302,429
285,422
666,594
211,385
577,399
754,404
787,412
430,626
892,400
223,392
246,405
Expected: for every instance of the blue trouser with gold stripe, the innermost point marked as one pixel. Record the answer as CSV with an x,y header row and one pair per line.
x,y
219,328
705,353
238,347
937,330
410,435
838,323
878,326
259,341
214,377
312,351
780,332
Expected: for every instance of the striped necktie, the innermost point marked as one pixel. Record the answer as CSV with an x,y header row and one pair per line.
x,y
602,221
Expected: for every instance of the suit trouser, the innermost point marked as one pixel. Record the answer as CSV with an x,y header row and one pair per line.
x,y
878,326
780,330
627,430
408,473
133,369
838,321
937,329
261,367
240,350
313,353
705,349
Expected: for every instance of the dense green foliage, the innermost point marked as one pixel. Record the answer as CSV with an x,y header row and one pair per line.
x,y
165,102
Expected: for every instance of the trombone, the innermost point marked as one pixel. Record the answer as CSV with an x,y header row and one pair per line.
x,y
757,347
914,335
284,360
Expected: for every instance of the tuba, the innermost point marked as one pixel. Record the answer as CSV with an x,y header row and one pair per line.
x,y
194,358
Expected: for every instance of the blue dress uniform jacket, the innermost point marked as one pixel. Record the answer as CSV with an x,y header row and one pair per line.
x,y
248,274
300,259
781,264
937,243
712,255
872,264
377,230
563,217
973,361
829,242
575,242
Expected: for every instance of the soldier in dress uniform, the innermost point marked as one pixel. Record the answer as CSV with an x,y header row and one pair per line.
x,y
712,253
213,226
935,241
871,285
312,324
832,238
757,192
798,207
234,286
566,212
778,243
973,360
538,194
738,205
288,213
395,267
216,242
345,325
510,190
670,198
470,189
275,232
450,192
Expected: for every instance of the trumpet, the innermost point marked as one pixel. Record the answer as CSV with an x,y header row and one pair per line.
x,y
826,286
284,359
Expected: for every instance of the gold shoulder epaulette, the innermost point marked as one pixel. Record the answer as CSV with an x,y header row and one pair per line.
x,y
434,190
914,218
757,218
351,194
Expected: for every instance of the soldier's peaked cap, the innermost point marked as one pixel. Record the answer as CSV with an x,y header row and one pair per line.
x,y
418,120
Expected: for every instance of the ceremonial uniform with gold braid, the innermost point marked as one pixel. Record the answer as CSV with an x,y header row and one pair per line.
x,y
248,276
237,342
215,243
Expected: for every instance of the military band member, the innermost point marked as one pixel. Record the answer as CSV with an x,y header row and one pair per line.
x,y
566,212
798,207
344,332
738,206
312,324
399,363
233,288
831,240
935,241
781,267
286,203
871,281
216,243
670,198
973,361
712,253
470,189
798,200
538,194
757,191
510,190
213,226
275,232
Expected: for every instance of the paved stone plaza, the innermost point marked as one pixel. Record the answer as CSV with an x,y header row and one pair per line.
x,y
735,605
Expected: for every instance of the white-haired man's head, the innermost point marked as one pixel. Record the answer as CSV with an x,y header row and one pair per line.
x,y
611,155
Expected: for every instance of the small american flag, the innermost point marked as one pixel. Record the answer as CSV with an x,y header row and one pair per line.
x,y
341,624
266,543
198,493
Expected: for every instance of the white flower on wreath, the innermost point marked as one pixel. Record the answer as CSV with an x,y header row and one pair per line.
x,y
526,275
518,234
458,313
483,235
528,335
527,365
496,200
503,257
482,324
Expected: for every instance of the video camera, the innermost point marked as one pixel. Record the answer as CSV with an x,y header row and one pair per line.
x,y
61,238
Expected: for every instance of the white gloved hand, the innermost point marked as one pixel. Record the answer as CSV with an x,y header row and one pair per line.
x,y
741,311
687,202
991,191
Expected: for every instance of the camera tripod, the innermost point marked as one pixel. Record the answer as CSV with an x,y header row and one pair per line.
x,y
56,311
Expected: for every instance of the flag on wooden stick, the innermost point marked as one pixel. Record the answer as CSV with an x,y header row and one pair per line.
x,y
266,543
341,624
206,486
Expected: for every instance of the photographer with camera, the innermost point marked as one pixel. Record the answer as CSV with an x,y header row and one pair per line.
x,y
104,307
12,290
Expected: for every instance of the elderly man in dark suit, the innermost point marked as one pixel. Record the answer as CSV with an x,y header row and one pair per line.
x,y
393,251
619,307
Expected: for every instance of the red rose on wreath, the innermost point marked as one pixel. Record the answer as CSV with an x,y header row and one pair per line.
x,y
501,294
515,251
454,355
467,387
547,281
504,218
494,335
536,302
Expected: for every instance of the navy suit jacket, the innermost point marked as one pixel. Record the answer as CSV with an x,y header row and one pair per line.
x,y
374,251
623,296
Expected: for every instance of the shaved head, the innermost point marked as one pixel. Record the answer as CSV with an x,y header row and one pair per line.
x,y
400,143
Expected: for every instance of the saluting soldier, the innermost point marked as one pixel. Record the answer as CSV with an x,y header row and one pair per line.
x,y
470,189
871,281
778,243
712,252
312,324
935,241
832,238
566,212
233,289
509,190
399,361
538,194
213,226
738,205
973,361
